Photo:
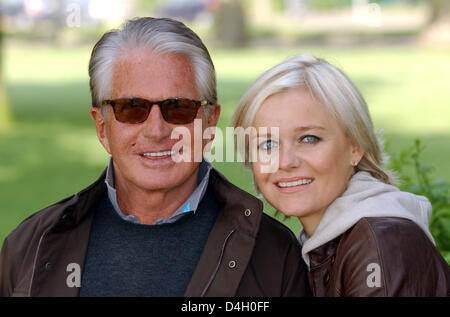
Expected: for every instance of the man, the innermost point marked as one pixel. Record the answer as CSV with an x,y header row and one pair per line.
x,y
152,225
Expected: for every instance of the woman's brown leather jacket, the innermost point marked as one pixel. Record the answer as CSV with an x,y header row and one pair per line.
x,y
380,256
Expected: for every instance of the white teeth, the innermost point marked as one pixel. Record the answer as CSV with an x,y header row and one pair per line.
x,y
159,153
296,183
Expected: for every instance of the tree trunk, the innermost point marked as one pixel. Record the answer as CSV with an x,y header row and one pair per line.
x,y
231,24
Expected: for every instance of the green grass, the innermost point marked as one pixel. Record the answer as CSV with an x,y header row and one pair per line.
x,y
52,150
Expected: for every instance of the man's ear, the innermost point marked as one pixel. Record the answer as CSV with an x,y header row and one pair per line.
x,y
214,116
211,125
100,126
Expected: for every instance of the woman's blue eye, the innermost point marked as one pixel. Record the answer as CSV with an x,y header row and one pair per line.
x,y
311,139
267,145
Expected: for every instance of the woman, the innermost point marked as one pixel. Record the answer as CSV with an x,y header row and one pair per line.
x,y
361,235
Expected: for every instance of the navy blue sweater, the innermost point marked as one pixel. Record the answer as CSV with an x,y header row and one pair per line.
x,y
127,259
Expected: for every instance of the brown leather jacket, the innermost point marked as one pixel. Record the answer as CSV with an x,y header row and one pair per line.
x,y
379,257
247,253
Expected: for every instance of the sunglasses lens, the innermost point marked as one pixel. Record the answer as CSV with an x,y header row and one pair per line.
x,y
136,110
131,110
179,111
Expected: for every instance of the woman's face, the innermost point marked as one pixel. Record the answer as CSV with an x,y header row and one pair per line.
x,y
315,156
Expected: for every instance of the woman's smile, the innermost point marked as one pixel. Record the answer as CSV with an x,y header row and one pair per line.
x,y
293,184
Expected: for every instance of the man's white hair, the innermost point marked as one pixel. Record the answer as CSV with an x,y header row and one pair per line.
x,y
160,36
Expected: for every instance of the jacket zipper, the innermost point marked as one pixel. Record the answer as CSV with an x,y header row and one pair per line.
x,y
34,263
218,264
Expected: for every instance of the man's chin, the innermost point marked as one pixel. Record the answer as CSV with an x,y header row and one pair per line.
x,y
160,179
156,184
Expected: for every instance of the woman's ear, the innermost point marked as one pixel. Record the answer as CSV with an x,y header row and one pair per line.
x,y
356,155
100,126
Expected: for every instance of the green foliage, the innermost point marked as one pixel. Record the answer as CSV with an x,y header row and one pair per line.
x,y
277,5
436,191
5,112
329,4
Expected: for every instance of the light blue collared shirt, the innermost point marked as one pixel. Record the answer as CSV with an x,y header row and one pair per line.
x,y
190,205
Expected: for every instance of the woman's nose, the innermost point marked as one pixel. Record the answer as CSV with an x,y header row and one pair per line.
x,y
288,158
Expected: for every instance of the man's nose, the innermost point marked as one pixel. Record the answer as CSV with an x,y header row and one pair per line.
x,y
288,158
155,127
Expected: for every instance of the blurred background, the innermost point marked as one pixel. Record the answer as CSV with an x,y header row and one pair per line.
x,y
396,51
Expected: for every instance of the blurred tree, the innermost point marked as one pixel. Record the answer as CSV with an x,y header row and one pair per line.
x,y
438,29
230,21
439,11
5,112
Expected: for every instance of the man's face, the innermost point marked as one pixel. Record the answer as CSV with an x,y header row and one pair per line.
x,y
153,77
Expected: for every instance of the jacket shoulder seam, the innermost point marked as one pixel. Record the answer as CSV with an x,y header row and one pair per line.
x,y
378,253
40,213
35,218
217,177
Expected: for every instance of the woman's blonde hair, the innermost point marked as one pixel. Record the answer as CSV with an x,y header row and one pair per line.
x,y
332,88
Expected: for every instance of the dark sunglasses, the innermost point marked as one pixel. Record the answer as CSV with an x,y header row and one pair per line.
x,y
173,110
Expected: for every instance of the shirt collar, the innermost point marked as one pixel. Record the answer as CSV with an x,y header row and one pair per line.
x,y
190,205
